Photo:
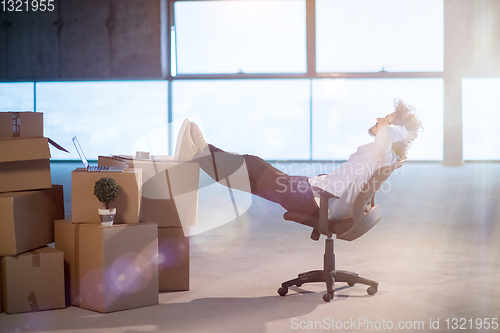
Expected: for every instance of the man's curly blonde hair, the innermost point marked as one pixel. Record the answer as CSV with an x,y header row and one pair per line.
x,y
405,115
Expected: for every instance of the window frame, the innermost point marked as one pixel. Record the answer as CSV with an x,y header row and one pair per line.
x,y
311,72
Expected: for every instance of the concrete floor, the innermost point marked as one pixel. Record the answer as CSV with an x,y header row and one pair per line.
x,y
435,255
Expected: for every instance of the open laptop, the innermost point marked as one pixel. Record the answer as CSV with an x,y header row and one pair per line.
x,y
86,163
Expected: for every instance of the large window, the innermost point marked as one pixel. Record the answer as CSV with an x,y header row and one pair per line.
x,y
481,119
281,79
352,36
107,117
370,36
344,110
240,36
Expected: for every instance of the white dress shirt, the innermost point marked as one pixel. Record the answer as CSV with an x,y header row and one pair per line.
x,y
349,179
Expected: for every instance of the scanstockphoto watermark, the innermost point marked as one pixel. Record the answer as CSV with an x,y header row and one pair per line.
x,y
306,168
364,324
358,177
355,324
310,168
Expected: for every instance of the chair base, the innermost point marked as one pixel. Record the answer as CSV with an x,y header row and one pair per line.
x,y
329,278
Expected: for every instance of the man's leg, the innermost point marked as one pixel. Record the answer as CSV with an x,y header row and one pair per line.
x,y
252,174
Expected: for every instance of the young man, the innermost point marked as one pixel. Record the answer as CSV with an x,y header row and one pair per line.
x,y
393,135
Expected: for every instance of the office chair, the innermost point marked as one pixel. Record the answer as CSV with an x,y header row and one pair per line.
x,y
365,216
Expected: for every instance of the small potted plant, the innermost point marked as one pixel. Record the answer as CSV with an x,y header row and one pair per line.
x,y
106,191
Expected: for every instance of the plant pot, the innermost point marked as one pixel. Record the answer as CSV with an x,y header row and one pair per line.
x,y
107,215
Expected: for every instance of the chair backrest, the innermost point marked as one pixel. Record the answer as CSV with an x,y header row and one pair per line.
x,y
365,214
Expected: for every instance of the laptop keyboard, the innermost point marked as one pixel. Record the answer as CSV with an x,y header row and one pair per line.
x,y
98,168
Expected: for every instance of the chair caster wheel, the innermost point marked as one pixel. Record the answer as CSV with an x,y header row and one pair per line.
x,y
299,285
327,297
351,284
371,290
282,291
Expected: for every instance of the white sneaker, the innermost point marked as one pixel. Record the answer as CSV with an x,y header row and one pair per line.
x,y
197,137
185,148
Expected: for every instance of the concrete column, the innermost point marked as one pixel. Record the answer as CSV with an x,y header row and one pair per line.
x,y
452,150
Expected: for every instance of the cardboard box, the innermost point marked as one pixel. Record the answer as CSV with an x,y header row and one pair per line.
x,y
1,287
27,219
85,203
173,259
110,268
24,164
169,189
33,281
20,124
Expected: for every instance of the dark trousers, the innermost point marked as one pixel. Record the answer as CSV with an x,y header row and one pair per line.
x,y
294,193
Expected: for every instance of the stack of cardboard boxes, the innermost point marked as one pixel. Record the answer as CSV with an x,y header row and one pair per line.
x,y
124,266
95,267
169,199
108,268
31,274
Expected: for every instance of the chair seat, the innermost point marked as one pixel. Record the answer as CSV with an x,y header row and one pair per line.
x,y
335,226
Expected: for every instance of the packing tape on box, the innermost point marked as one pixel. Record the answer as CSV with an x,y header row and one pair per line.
x,y
16,124
35,262
35,259
33,302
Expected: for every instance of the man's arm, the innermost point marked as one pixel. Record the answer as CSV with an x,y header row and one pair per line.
x,y
386,136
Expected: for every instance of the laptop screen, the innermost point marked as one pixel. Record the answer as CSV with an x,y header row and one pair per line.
x,y
80,152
